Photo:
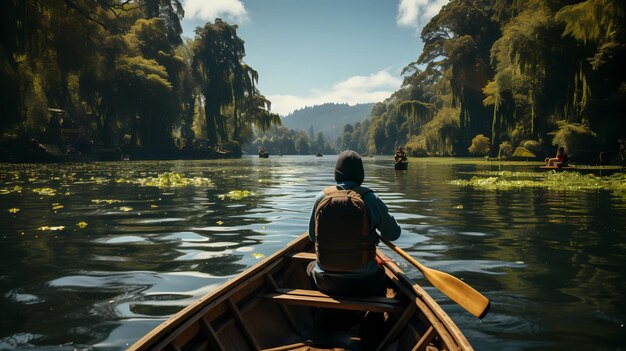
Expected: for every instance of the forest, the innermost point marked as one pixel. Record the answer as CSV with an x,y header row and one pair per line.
x,y
85,75
497,74
493,75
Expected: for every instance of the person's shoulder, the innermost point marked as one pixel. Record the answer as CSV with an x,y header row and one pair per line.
x,y
368,193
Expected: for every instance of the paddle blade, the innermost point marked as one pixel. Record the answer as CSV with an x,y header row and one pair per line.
x,y
459,292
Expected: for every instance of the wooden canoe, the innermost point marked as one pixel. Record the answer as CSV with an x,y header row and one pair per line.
x,y
401,165
271,306
557,168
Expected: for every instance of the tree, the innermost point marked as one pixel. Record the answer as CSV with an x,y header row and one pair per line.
x,y
218,52
457,42
480,145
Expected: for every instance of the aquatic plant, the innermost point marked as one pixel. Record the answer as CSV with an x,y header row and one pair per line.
x,y
173,180
568,181
236,194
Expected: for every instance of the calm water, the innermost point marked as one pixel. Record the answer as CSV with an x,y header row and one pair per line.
x,y
92,256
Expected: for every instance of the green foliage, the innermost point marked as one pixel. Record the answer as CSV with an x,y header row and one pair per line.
x,y
574,137
113,69
513,69
531,145
281,140
480,145
415,110
509,70
506,149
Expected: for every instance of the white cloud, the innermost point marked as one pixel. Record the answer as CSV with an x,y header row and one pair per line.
x,y
416,13
354,90
208,10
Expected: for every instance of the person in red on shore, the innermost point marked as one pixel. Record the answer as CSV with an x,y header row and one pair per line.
x,y
561,159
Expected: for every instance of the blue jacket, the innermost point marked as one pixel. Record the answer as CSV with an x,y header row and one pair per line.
x,y
379,218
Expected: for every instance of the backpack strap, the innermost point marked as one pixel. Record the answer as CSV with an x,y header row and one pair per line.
x,y
361,190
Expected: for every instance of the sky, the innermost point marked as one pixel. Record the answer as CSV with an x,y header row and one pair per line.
x,y
310,52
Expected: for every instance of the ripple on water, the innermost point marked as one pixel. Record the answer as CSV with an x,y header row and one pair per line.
x,y
183,236
473,233
26,299
216,229
158,220
18,340
194,255
216,244
124,239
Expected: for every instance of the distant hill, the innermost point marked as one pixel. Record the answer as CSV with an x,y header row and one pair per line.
x,y
327,118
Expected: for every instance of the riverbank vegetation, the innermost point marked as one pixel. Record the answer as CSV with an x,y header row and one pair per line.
x,y
520,73
116,78
78,74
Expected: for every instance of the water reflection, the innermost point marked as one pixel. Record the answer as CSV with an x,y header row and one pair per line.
x,y
550,260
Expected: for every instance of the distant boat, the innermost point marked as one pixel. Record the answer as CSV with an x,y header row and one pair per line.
x,y
264,154
523,152
401,165
319,154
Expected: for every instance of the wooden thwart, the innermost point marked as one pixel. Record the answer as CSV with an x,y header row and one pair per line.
x,y
318,299
305,256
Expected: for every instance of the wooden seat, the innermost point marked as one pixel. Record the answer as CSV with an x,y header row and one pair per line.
x,y
316,298
305,256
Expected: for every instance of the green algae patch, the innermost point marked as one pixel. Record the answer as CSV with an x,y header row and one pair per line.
x,y
567,181
105,201
174,180
236,195
15,189
45,191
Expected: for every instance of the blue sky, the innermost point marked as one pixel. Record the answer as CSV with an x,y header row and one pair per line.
x,y
309,52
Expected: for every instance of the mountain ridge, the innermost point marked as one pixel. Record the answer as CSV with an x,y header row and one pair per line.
x,y
328,118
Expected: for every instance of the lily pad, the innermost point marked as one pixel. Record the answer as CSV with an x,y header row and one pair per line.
x,y
45,227
174,180
106,201
236,194
45,191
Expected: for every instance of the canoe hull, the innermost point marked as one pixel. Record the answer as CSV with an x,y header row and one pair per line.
x,y
401,166
272,306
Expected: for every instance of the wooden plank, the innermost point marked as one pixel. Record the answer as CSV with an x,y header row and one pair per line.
x,y
305,256
216,344
242,324
425,339
282,307
317,293
318,299
297,346
398,326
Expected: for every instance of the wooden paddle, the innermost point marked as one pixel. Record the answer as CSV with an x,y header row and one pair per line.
x,y
459,292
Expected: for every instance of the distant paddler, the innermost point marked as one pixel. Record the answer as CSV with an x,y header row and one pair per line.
x,y
401,159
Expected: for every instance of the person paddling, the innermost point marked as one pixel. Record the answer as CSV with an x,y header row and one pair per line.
x,y
400,155
344,224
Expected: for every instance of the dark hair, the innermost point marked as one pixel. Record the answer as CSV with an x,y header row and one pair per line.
x,y
349,167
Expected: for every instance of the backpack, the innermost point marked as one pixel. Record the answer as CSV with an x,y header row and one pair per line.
x,y
342,230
